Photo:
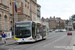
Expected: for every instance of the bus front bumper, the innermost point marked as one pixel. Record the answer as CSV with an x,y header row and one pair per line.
x,y
24,40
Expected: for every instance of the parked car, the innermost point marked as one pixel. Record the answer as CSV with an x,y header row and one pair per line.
x,y
69,33
62,30
51,30
57,30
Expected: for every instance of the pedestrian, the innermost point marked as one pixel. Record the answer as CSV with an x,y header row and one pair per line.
x,y
3,38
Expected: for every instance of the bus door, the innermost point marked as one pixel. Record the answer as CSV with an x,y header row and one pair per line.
x,y
34,30
44,31
39,30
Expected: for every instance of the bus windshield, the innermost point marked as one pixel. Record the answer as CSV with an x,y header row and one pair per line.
x,y
22,30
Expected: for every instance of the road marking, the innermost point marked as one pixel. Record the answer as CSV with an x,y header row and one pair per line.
x,y
73,47
52,37
54,41
64,47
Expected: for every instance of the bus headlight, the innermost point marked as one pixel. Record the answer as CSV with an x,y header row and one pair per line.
x,y
15,38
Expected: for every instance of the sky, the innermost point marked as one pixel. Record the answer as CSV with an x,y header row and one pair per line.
x,y
57,8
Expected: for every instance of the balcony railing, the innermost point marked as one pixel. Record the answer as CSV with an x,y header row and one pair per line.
x,y
4,7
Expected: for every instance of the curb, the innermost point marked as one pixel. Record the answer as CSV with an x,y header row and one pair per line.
x,y
73,41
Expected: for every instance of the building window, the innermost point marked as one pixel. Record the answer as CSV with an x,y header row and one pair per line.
x,y
11,25
10,4
4,2
35,0
26,0
28,7
0,22
25,5
5,22
18,4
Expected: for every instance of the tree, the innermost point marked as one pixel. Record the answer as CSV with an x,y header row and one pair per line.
x,y
73,19
67,22
73,16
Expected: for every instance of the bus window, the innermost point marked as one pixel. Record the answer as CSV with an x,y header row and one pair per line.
x,y
22,30
44,31
39,29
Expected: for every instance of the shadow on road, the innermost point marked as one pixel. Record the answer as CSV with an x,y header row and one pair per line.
x,y
30,42
25,43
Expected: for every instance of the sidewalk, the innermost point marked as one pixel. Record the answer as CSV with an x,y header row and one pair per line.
x,y
73,41
8,42
0,42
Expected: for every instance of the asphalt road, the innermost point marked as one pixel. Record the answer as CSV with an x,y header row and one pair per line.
x,y
54,41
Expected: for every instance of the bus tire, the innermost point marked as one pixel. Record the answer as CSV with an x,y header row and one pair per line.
x,y
44,39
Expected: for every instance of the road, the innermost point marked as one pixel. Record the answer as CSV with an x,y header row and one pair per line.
x,y
54,41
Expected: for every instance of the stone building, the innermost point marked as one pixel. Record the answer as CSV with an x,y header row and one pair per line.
x,y
27,11
23,10
56,23
45,21
33,10
52,23
60,25
4,16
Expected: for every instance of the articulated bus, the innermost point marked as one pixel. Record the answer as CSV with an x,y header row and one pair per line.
x,y
29,31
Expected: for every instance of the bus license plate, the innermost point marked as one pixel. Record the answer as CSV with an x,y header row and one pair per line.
x,y
22,41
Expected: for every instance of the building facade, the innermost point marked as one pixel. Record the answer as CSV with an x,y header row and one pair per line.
x,y
33,10
38,12
27,11
52,24
70,26
45,21
23,10
4,16
56,23
60,25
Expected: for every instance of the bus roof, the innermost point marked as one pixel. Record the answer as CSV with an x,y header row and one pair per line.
x,y
28,21
31,22
23,21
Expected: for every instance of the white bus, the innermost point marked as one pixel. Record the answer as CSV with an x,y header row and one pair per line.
x,y
29,31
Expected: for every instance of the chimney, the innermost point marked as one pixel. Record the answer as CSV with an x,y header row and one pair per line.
x,y
54,16
47,19
50,17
